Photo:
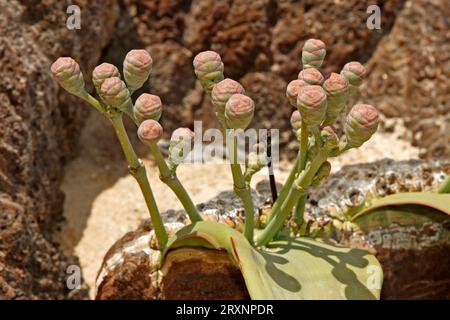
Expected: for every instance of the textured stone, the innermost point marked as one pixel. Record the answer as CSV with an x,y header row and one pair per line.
x,y
39,128
259,41
129,271
399,248
340,25
268,91
407,62
196,273
409,74
403,277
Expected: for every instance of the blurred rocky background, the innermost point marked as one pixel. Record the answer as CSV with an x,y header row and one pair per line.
x,y
260,42
39,129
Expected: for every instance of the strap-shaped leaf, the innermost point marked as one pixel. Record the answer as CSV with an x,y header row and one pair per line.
x,y
415,208
299,268
437,201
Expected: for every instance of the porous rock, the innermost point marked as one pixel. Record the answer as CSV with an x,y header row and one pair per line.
x,y
39,128
404,278
408,75
260,43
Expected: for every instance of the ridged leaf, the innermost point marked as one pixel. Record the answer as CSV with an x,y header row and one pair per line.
x,y
407,209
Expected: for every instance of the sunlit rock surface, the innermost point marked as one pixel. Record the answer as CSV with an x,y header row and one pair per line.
x,y
39,127
412,270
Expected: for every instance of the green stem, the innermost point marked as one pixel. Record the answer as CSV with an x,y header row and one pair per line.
x,y
341,148
300,210
285,190
300,206
171,180
137,170
297,190
445,186
92,101
168,176
248,175
303,145
129,112
221,119
241,188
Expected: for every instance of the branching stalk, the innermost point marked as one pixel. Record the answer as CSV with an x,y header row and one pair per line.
x,y
300,209
93,102
137,170
300,206
318,102
171,180
241,188
299,188
303,146
284,190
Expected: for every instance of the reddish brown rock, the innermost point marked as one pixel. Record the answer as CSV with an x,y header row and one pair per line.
x,y
414,258
201,274
272,108
39,128
406,277
129,271
259,40
406,69
408,75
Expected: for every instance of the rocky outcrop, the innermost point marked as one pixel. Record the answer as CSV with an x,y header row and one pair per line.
x,y
399,246
132,261
408,74
129,272
39,128
260,43
407,61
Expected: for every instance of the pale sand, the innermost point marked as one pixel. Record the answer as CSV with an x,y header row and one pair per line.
x,y
103,202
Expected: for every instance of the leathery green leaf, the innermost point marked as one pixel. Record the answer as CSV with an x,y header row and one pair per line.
x,y
437,201
406,209
296,268
416,211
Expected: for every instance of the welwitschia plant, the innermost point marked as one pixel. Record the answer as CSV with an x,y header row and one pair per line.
x,y
273,265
